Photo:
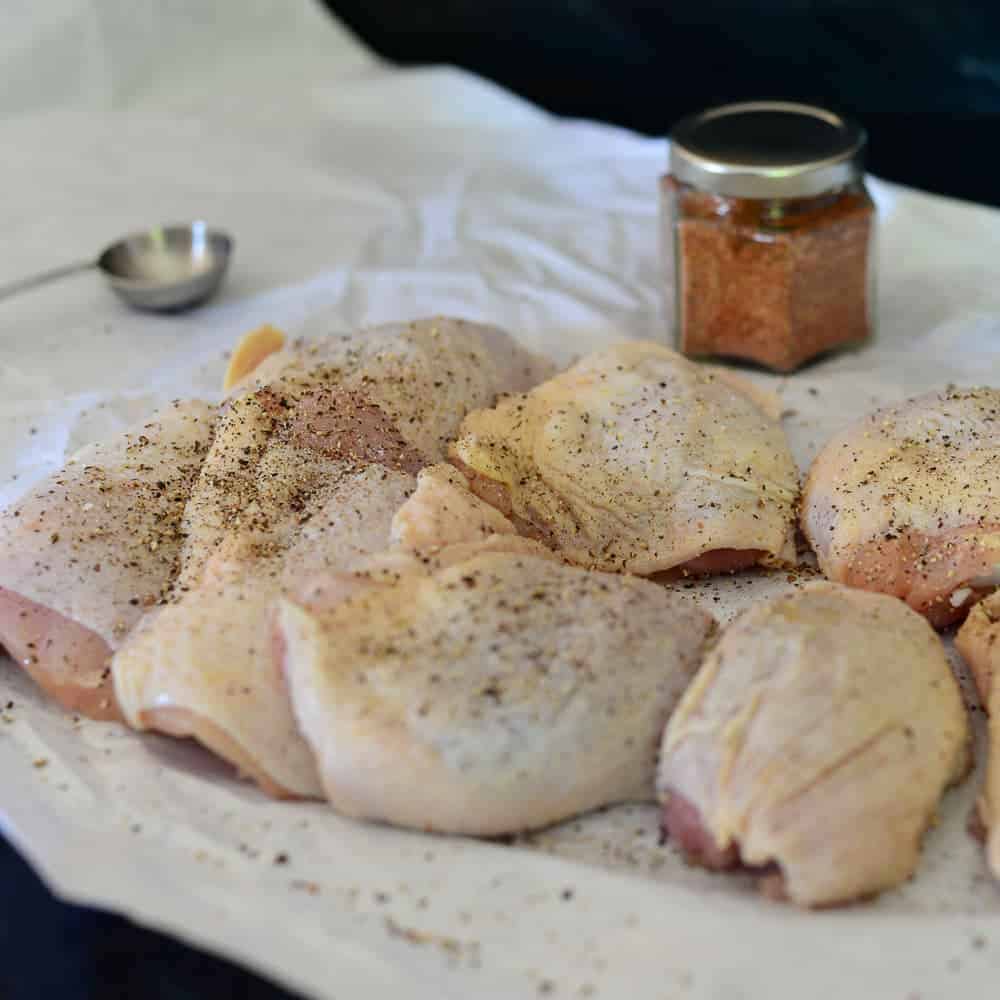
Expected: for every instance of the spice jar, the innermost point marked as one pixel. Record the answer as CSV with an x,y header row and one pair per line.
x,y
767,234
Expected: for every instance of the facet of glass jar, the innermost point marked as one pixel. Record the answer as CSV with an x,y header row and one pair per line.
x,y
773,280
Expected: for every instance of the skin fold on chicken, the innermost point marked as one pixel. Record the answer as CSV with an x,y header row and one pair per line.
x,y
87,551
314,453
482,687
637,460
907,502
816,740
978,641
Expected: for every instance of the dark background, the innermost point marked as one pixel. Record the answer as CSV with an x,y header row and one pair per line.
x,y
923,77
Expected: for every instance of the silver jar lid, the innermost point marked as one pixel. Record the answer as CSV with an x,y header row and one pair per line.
x,y
767,149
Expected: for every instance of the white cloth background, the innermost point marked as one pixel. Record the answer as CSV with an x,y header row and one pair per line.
x,y
357,194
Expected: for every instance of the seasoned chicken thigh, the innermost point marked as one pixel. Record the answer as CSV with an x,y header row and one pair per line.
x,y
443,511
907,502
638,460
202,665
817,737
309,465
420,374
488,688
88,550
978,640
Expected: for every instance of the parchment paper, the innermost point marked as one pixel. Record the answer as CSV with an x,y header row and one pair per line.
x,y
359,194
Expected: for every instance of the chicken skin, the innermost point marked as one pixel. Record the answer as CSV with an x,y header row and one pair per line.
x,y
637,460
87,551
978,641
907,502
814,744
314,454
483,687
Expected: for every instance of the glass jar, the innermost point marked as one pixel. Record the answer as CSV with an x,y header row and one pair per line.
x,y
768,233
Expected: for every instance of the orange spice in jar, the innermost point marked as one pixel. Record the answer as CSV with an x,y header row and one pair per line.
x,y
768,233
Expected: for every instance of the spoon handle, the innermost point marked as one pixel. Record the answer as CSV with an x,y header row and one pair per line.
x,y
23,284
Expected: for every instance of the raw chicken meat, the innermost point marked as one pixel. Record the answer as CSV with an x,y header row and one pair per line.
x,y
88,550
907,502
314,454
420,374
816,739
638,460
250,353
442,511
978,640
441,523
486,688
202,667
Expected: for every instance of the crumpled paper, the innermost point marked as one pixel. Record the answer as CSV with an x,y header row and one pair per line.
x,y
360,194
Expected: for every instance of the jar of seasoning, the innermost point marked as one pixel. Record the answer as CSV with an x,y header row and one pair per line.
x,y
768,232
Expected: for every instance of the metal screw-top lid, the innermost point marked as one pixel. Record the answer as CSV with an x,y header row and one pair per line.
x,y
767,149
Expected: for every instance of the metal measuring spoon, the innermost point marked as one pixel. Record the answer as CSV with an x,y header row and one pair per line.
x,y
166,268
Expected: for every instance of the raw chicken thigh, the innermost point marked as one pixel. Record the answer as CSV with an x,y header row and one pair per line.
x,y
486,688
202,667
817,739
88,550
315,453
907,502
638,460
420,374
978,641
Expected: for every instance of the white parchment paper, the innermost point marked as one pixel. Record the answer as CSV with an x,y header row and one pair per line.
x,y
359,194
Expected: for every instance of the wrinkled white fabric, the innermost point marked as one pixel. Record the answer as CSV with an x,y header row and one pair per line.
x,y
358,193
